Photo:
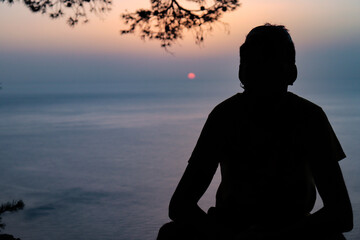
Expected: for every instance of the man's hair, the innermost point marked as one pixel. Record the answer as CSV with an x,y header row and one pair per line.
x,y
272,42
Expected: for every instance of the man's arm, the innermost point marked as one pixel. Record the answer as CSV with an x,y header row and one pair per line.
x,y
193,184
326,151
336,214
198,174
333,219
323,151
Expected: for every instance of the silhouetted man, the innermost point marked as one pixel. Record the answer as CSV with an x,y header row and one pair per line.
x,y
273,148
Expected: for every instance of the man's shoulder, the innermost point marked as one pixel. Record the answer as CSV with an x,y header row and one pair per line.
x,y
300,103
236,100
295,102
228,104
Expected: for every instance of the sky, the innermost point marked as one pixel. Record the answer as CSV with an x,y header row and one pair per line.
x,y
35,48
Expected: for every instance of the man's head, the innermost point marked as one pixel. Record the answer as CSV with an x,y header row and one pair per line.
x,y
267,59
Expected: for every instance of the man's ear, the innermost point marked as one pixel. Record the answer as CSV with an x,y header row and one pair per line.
x,y
292,74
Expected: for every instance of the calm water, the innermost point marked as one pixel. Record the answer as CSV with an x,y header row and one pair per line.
x,y
101,162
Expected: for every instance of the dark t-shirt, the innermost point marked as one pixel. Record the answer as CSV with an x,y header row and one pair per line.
x,y
265,150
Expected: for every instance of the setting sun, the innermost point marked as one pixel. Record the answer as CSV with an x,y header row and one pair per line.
x,y
191,75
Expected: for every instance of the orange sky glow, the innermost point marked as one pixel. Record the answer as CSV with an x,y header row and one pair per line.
x,y
311,23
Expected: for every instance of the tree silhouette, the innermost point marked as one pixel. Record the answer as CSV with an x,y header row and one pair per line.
x,y
9,207
57,8
167,20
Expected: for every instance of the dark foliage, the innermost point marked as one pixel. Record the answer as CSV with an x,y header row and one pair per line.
x,y
57,8
10,207
167,19
8,237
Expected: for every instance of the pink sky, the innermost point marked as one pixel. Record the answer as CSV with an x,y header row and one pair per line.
x,y
311,23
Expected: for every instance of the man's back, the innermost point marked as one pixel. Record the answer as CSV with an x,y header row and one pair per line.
x,y
263,149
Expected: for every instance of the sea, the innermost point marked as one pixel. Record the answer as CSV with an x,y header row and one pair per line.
x,y
101,160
